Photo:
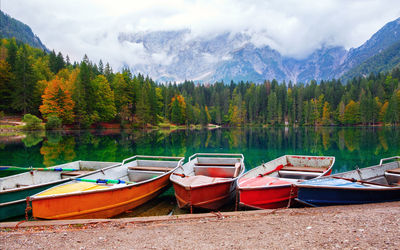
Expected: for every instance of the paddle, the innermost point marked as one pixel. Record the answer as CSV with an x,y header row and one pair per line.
x,y
269,172
181,175
105,181
355,180
10,168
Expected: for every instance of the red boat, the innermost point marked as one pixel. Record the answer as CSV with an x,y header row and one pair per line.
x,y
207,181
271,185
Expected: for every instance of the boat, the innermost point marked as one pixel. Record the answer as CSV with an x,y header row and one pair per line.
x,y
107,192
15,188
207,180
379,183
271,185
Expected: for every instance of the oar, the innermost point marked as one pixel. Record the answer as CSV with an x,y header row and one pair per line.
x,y
11,168
269,172
105,181
181,175
360,181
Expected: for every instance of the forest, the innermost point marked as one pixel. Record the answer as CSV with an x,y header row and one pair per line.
x,y
84,94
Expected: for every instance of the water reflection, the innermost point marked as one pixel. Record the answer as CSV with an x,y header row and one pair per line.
x,y
352,146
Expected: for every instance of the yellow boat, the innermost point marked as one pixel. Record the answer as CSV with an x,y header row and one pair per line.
x,y
107,192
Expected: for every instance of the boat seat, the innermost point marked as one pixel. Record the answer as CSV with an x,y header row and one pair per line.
x,y
74,173
199,180
394,171
150,168
218,170
304,169
214,164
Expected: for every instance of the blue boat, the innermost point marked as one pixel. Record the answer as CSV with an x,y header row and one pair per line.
x,y
380,183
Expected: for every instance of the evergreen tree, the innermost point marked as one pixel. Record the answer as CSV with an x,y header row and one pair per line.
x,y
104,110
5,86
24,83
272,108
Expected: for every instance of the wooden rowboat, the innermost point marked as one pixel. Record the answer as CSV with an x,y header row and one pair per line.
x,y
15,188
271,185
108,192
380,183
207,180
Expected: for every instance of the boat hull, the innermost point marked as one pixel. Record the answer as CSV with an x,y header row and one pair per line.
x,y
210,197
13,204
101,204
319,196
272,184
268,198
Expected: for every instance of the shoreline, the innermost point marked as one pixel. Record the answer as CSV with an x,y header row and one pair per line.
x,y
350,227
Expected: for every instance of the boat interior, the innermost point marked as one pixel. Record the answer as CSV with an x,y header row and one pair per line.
x,y
208,170
37,177
136,171
387,174
143,170
294,167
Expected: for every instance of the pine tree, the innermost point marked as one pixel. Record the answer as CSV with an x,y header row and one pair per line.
x,y
24,83
176,115
272,108
104,109
5,86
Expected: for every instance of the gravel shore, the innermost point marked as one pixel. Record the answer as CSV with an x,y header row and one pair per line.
x,y
371,226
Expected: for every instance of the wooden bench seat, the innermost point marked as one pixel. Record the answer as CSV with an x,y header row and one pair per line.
x,y
151,168
218,170
214,164
74,173
304,169
394,171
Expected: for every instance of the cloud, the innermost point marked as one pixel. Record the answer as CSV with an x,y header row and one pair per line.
x,y
294,28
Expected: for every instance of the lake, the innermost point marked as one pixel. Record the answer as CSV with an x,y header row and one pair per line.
x,y
352,147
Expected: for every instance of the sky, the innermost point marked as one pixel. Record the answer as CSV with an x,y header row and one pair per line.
x,y
293,27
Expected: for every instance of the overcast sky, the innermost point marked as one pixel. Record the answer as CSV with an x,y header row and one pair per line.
x,y
293,27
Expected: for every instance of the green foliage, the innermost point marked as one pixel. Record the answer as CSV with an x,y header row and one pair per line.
x,y
32,122
99,95
104,106
53,122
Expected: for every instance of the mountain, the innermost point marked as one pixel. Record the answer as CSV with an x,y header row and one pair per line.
x,y
10,27
180,55
383,61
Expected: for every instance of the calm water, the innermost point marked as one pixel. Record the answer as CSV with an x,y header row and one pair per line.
x,y
352,147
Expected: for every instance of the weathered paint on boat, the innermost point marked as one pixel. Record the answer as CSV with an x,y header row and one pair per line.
x,y
14,189
271,185
354,187
207,195
110,201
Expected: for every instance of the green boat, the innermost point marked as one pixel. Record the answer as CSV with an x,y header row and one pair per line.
x,y
14,189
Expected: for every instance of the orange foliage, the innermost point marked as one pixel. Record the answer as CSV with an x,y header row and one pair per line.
x,y
57,101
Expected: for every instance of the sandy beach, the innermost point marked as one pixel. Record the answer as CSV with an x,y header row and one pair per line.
x,y
371,226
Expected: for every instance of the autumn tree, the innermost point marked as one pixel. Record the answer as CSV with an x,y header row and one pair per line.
x,y
57,101
326,114
352,113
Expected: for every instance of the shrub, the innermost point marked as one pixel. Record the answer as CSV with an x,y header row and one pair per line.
x,y
32,122
53,122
